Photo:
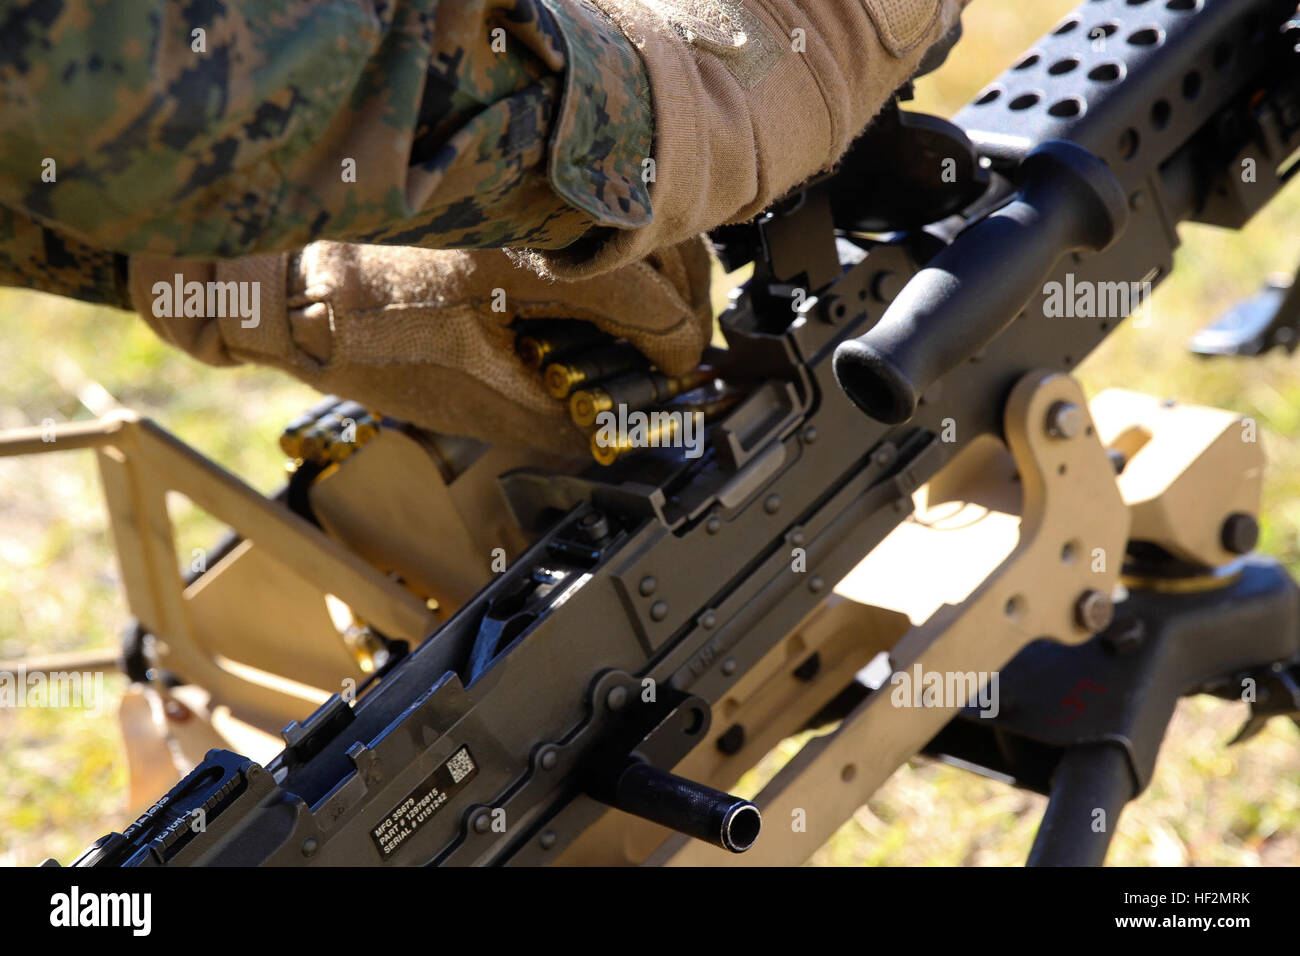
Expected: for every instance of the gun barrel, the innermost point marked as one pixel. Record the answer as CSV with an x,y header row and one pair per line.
x,y
688,807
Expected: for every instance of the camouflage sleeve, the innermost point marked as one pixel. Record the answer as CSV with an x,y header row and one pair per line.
x,y
226,127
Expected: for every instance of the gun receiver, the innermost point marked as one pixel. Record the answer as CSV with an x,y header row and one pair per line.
x,y
581,675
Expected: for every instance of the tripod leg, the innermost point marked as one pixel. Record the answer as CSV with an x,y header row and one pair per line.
x,y
1086,780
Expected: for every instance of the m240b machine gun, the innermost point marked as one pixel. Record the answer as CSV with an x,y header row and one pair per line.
x,y
669,619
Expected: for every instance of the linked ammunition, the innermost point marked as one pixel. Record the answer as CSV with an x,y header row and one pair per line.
x,y
593,365
636,390
661,430
291,437
322,434
538,346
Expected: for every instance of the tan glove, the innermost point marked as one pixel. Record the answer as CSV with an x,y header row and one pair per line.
x,y
412,332
752,97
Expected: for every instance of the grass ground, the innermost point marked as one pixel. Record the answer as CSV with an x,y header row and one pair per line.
x,y
63,774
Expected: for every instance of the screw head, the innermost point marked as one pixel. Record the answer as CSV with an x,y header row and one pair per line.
x,y
310,846
1065,420
546,840
647,585
1240,533
729,666
1094,610
713,525
482,822
658,610
772,504
616,698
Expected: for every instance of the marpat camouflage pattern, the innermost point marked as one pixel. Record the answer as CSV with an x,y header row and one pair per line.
x,y
220,128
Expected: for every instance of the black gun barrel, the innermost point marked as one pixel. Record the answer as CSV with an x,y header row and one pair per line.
x,y
1070,201
687,807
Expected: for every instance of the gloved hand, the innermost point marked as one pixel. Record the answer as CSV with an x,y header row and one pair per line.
x,y
752,97
413,333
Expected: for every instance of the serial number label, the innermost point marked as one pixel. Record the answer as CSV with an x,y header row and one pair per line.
x,y
405,820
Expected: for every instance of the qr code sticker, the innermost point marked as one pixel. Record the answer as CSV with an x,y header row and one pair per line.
x,y
461,765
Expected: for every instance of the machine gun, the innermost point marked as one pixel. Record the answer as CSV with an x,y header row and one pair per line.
x,y
666,620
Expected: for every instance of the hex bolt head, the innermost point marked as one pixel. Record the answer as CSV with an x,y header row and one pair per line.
x,y
1094,610
1240,533
1065,420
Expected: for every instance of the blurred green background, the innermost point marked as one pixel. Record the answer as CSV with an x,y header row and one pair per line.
x,y
64,775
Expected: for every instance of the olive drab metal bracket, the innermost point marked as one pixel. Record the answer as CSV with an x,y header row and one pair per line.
x,y
662,623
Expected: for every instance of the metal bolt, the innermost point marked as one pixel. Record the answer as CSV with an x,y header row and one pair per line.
x,y
713,525
648,585
810,434
310,846
729,667
732,740
658,610
548,758
772,504
886,285
1094,610
708,619
816,583
593,526
616,698
482,822
546,840
797,536
1065,420
1240,533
